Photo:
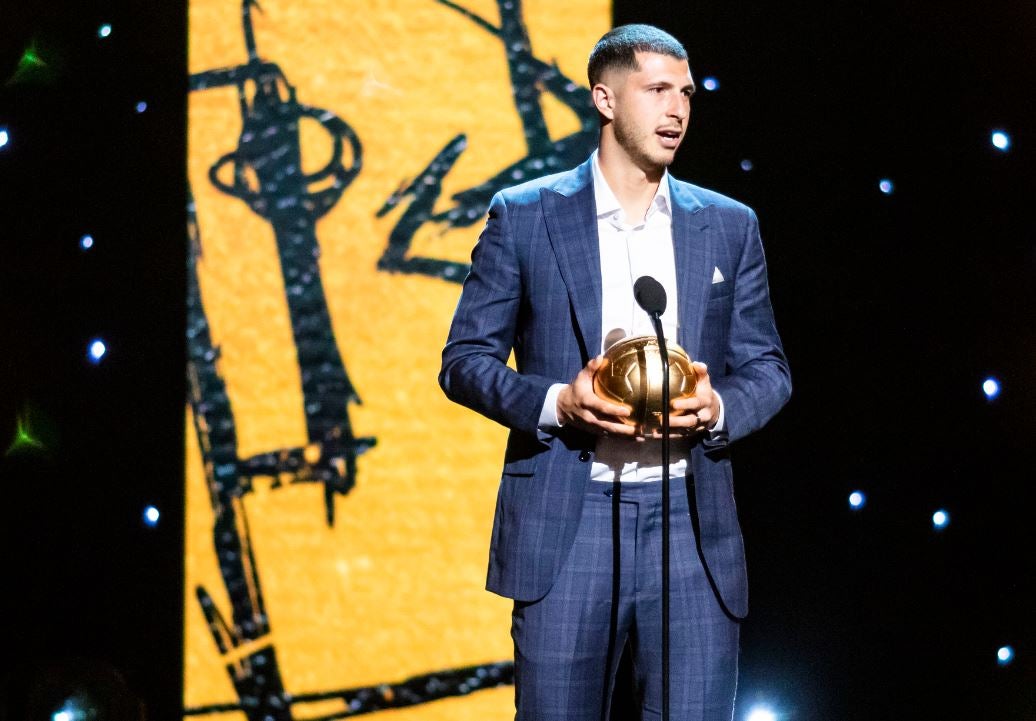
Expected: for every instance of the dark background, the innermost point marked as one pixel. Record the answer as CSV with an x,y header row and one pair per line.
x,y
893,309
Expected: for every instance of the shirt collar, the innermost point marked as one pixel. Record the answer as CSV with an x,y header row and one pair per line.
x,y
608,205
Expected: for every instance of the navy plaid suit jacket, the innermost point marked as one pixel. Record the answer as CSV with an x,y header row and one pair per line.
x,y
535,287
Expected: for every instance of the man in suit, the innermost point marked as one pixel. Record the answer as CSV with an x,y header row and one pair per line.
x,y
576,537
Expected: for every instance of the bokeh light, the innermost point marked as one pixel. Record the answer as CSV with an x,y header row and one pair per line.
x,y
857,500
761,713
991,387
1001,140
96,350
940,519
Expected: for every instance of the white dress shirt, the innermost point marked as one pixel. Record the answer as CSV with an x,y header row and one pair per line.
x,y
629,251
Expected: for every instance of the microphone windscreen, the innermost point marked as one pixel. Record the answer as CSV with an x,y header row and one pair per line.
x,y
650,295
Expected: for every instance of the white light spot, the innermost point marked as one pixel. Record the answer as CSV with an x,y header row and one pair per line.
x,y
857,500
710,83
885,186
1000,140
86,242
991,387
761,713
5,137
1004,655
104,31
151,516
96,350
940,519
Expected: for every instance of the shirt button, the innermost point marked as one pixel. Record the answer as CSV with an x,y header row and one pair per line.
x,y
584,456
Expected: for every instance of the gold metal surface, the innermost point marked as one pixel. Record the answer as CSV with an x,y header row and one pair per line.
x,y
632,376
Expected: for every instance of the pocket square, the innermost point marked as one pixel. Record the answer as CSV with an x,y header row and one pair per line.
x,y
717,277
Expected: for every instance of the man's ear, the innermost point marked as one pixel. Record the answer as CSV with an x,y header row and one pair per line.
x,y
604,100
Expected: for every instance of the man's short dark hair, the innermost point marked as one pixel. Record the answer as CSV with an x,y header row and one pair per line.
x,y
618,49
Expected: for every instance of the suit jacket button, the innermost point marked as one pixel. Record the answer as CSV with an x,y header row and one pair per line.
x,y
584,456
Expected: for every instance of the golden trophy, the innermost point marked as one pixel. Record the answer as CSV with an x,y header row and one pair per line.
x,y
631,375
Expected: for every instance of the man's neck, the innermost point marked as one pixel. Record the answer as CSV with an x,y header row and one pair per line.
x,y
632,186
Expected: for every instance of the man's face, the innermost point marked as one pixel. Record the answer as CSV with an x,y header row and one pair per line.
x,y
651,109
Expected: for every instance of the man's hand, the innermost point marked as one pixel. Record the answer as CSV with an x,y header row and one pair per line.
x,y
701,409
579,406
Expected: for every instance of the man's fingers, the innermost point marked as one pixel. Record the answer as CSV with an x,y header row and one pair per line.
x,y
602,407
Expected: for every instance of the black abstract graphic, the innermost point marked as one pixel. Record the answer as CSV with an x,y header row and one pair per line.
x,y
530,78
265,172
267,175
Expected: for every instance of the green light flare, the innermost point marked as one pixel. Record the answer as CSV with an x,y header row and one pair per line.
x,y
31,66
24,440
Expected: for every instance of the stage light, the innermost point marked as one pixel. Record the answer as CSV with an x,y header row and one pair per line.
x,y
5,137
857,500
710,83
141,106
96,351
104,31
940,519
885,186
1001,140
761,713
86,242
151,516
991,387
746,165
1004,655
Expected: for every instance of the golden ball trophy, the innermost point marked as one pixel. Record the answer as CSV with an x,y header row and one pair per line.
x,y
631,375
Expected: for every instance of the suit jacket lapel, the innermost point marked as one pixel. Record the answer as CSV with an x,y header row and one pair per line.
x,y
694,265
569,212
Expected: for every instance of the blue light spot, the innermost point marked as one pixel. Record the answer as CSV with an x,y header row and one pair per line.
x,y
761,713
62,715
104,31
940,519
885,186
151,516
96,351
86,242
5,137
746,165
857,500
991,387
141,106
710,83
1001,140
1004,655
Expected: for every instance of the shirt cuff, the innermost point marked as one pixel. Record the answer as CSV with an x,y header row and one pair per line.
x,y
717,430
549,412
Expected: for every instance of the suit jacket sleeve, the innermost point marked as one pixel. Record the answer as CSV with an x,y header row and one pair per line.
x,y
486,326
757,381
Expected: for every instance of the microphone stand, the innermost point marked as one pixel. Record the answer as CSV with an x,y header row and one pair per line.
x,y
656,320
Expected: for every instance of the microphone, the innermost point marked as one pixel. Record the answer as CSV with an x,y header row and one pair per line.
x,y
650,295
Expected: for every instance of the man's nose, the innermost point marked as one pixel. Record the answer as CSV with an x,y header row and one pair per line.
x,y
680,107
